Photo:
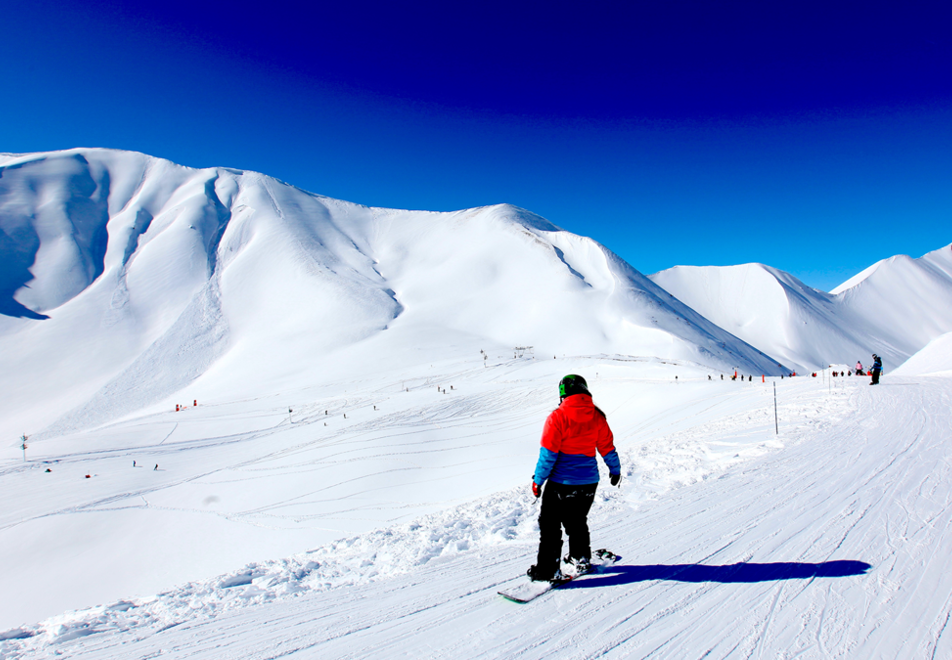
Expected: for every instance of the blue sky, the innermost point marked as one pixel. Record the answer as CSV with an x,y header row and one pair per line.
x,y
816,139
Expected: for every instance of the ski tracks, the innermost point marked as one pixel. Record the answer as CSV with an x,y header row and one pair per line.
x,y
736,564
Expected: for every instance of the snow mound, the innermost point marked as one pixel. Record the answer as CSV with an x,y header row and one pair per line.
x,y
377,555
933,360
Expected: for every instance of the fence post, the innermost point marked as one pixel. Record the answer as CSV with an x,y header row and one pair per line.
x,y
776,423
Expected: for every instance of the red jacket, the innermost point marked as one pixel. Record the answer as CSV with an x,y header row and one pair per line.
x,y
572,435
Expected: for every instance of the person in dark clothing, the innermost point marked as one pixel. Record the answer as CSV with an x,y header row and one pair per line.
x,y
877,369
572,435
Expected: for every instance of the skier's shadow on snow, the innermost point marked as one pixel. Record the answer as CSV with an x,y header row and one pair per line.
x,y
733,573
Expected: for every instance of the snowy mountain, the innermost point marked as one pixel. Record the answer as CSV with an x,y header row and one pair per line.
x,y
894,308
127,278
905,302
348,474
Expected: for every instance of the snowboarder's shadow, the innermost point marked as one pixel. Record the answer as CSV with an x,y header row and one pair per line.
x,y
733,573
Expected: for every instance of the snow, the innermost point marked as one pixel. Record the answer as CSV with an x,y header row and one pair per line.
x,y
353,479
893,309
933,360
229,277
827,540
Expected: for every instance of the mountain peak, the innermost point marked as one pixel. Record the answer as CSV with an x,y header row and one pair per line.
x,y
131,277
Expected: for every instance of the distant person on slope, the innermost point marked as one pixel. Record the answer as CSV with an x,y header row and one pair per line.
x,y
859,368
877,369
572,434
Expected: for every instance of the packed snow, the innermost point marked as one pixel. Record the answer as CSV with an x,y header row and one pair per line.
x,y
828,539
265,423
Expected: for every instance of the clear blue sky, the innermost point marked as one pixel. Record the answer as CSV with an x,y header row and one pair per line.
x,y
813,138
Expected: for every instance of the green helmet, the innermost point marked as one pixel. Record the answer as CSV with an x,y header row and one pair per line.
x,y
572,384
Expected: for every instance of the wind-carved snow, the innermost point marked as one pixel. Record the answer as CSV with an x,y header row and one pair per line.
x,y
193,343
935,359
893,309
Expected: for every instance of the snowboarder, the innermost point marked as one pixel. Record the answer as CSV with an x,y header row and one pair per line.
x,y
877,369
572,434
859,368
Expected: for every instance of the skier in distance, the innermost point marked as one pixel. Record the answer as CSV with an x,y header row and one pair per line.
x,y
572,434
877,369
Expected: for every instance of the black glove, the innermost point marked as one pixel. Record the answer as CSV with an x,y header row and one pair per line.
x,y
615,479
536,489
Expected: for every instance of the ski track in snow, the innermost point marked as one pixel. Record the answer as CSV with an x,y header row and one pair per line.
x,y
733,545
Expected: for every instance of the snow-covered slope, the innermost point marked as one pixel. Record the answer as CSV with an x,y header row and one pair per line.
x,y
355,470
906,302
933,360
787,319
827,540
126,278
893,309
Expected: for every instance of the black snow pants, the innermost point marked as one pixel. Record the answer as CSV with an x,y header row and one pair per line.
x,y
566,506
875,380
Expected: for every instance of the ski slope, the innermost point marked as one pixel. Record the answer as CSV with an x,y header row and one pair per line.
x,y
827,540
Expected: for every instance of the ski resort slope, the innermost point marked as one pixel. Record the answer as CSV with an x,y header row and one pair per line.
x,y
162,498
828,540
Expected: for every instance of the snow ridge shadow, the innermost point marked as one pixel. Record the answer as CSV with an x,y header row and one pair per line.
x,y
729,574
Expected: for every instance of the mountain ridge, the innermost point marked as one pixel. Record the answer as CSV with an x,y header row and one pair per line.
x,y
154,276
893,308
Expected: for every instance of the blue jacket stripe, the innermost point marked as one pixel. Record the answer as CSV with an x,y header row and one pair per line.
x,y
572,469
544,466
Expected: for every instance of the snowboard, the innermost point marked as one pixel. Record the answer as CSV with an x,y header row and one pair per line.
x,y
527,591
